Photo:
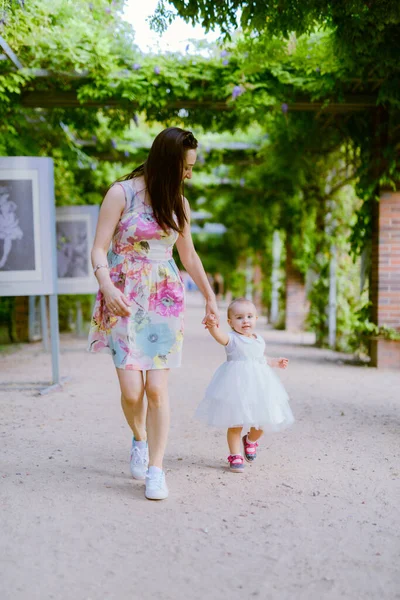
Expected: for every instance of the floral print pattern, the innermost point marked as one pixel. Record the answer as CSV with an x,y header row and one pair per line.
x,y
142,267
167,299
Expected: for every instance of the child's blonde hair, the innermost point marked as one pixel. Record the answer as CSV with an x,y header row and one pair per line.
x,y
237,301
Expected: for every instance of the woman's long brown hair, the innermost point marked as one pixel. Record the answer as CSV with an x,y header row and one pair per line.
x,y
163,172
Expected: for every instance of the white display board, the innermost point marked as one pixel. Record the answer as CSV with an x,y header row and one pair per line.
x,y
27,227
28,262
75,230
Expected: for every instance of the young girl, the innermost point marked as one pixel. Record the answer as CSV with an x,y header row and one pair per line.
x,y
244,393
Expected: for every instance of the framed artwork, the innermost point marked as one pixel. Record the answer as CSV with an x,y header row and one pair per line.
x,y
27,227
75,229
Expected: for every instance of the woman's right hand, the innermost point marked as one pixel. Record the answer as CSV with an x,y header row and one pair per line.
x,y
212,314
116,302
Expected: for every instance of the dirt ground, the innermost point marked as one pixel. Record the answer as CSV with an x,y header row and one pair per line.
x,y
317,516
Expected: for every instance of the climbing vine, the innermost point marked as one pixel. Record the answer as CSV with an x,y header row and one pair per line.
x,y
84,94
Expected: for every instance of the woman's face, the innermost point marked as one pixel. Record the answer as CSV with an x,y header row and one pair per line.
x,y
188,163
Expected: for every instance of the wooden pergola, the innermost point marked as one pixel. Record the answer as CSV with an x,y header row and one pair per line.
x,y
58,98
385,280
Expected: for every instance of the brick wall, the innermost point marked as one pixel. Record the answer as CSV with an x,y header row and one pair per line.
x,y
385,277
385,354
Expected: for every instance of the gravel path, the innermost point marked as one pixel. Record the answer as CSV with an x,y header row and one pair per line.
x,y
317,517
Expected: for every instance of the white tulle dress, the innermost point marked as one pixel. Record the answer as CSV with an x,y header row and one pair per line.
x,y
245,391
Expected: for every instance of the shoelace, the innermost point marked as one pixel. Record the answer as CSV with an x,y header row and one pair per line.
x,y
139,458
157,479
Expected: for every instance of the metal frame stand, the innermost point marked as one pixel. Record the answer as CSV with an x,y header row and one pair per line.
x,y
57,381
44,323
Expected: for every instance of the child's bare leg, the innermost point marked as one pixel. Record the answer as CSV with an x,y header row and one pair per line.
x,y
233,436
250,443
254,435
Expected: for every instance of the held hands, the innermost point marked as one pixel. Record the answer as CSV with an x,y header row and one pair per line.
x,y
116,302
210,322
278,363
212,315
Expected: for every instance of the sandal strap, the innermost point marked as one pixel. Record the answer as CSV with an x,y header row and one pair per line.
x,y
251,444
235,459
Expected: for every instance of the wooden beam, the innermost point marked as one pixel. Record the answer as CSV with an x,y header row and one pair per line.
x,y
7,50
56,99
45,73
69,99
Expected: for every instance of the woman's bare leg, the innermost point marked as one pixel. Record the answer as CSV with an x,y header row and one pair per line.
x,y
157,415
132,401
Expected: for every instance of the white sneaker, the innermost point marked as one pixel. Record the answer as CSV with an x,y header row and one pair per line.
x,y
156,488
139,461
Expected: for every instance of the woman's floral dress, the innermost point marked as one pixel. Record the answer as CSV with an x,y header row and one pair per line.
x,y
142,267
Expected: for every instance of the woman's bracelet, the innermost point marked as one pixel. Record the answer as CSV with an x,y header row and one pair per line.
x,y
97,267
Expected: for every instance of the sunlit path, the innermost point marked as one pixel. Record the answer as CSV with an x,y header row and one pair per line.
x,y
316,517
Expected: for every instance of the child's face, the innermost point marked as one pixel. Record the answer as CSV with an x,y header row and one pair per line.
x,y
243,318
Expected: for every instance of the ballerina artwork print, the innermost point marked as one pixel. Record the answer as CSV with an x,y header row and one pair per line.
x,y
17,226
75,227
10,231
72,249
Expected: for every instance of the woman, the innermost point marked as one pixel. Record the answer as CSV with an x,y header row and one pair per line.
x,y
138,316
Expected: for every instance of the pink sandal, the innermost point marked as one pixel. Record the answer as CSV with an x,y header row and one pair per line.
x,y
236,463
250,449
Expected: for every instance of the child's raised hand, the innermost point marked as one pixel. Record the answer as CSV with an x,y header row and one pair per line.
x,y
278,363
282,363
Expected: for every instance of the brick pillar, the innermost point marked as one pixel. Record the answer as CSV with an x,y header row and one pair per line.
x,y
385,277
22,318
296,297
